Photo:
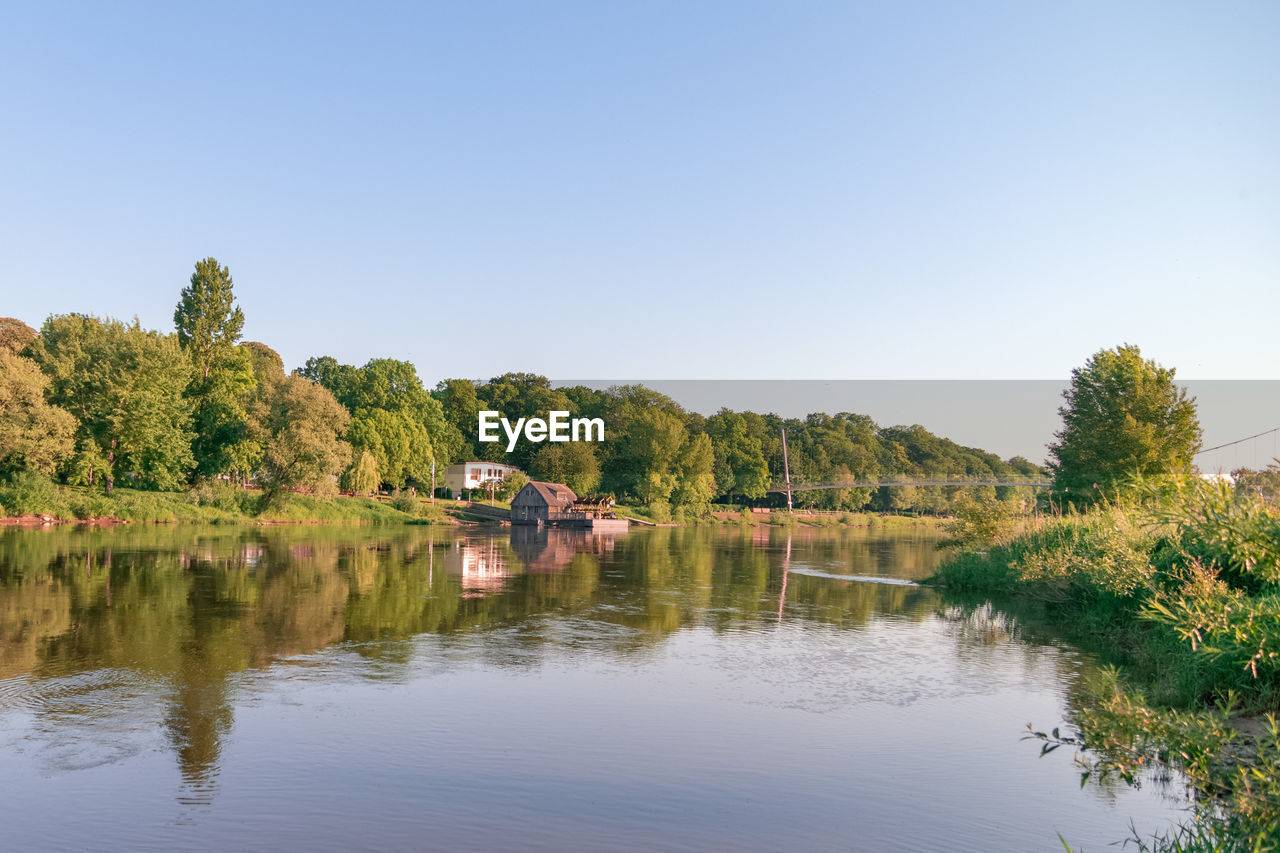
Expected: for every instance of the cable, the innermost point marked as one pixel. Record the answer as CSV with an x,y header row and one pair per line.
x,y
1239,440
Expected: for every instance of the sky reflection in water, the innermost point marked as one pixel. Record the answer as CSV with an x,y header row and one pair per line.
x,y
668,689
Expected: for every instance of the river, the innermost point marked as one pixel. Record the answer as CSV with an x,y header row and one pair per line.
x,y
332,688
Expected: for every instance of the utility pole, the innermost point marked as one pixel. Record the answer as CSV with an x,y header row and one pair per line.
x,y
786,467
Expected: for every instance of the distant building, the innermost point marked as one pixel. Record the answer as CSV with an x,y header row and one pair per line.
x,y
474,475
538,503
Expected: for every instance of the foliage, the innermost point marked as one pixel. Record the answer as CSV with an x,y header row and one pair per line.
x,y
303,448
33,434
208,326
405,501
1237,774
31,493
695,482
125,387
362,477
572,463
515,481
1182,583
979,523
1123,415
741,455
392,416
15,335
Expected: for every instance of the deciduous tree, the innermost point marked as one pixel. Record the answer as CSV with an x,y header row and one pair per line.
x,y
303,448
33,434
209,324
1123,415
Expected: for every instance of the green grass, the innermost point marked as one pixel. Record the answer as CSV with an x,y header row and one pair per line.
x,y
207,504
1179,588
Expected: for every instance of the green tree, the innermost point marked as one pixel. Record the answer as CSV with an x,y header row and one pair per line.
x,y
362,477
124,385
303,448
209,324
695,482
33,434
740,452
392,416
573,463
1123,416
512,484
652,445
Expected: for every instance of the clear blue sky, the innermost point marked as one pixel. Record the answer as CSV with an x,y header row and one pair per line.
x,y
660,190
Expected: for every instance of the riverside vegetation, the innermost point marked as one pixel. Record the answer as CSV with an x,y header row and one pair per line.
x,y
1175,579
91,404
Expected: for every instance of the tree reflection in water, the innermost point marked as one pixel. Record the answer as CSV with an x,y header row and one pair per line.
x,y
186,611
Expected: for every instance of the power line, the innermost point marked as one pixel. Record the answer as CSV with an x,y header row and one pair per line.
x,y
1240,440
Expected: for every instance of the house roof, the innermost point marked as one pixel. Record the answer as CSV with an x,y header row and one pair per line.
x,y
557,495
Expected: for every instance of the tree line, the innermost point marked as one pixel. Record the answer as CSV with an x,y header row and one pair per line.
x,y
96,401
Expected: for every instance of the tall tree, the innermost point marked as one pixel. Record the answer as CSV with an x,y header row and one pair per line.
x,y
209,324
1123,416
740,452
695,482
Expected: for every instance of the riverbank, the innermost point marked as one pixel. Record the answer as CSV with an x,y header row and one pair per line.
x,y
33,502
1179,587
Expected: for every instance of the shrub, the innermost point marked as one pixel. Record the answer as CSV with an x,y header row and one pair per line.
x,y
405,502
660,512
26,493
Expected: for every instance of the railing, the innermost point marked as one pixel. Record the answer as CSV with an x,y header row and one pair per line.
x,y
877,484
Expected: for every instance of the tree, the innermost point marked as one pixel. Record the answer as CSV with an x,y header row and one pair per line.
x,y
512,484
1122,416
208,321
209,324
740,453
33,434
15,335
652,445
362,477
302,444
392,415
695,482
124,385
573,463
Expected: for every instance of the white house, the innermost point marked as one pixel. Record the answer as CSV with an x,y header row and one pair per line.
x,y
474,475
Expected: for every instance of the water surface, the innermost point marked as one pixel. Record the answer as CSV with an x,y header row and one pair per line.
x,y
405,688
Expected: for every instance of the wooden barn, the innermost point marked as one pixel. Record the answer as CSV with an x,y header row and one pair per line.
x,y
541,503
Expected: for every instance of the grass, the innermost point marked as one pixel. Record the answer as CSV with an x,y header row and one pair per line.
x,y
218,503
1179,586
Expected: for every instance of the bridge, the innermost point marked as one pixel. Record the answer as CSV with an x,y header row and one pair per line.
x,y
876,484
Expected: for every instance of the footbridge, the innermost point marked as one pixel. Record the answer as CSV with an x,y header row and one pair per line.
x,y
876,484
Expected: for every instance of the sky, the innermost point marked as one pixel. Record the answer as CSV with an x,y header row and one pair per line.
x,y
708,190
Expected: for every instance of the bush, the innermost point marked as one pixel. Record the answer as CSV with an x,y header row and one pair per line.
x,y
29,493
405,502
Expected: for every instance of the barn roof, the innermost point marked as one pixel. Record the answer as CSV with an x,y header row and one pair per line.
x,y
557,495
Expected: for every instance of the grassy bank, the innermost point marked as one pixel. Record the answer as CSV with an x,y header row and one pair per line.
x,y
218,503
1180,587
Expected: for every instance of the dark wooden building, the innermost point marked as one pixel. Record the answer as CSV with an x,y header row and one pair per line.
x,y
541,503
